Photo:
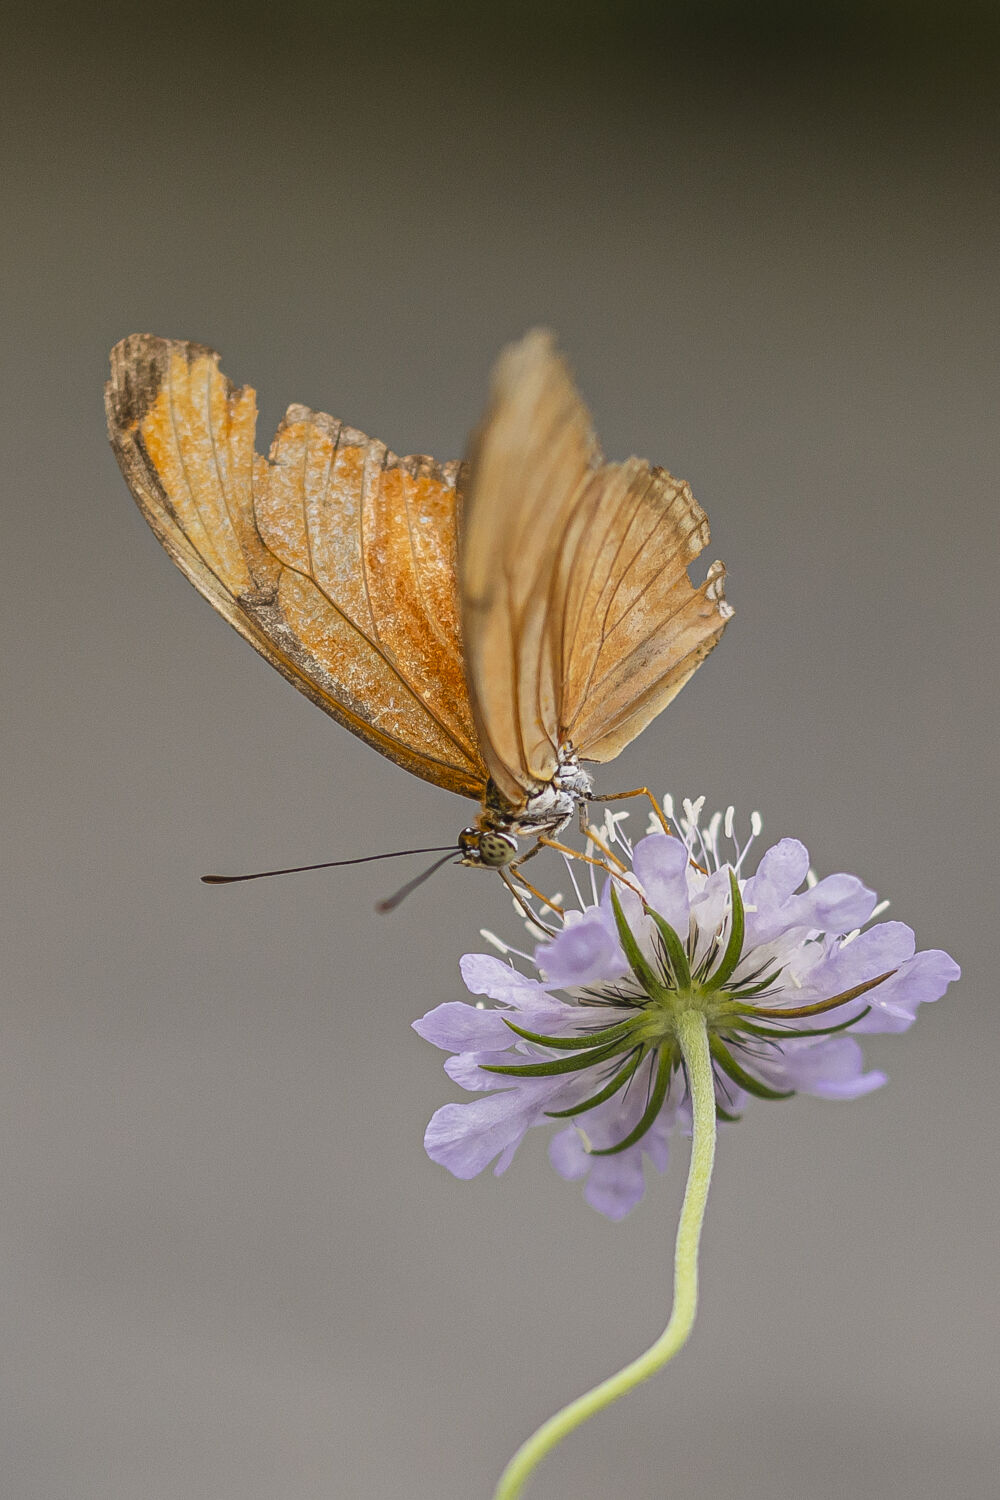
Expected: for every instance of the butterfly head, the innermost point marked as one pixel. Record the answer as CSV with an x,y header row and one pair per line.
x,y
486,849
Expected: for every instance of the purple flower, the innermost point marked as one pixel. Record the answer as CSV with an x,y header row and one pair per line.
x,y
775,961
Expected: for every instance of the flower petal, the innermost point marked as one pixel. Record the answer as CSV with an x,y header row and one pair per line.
x,y
587,950
614,1183
709,910
831,1068
466,1137
781,871
485,975
568,1154
836,904
923,979
459,1027
661,864
466,1069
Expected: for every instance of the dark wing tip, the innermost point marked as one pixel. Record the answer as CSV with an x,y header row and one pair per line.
x,y
138,366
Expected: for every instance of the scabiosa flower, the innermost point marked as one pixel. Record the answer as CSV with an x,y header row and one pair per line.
x,y
780,966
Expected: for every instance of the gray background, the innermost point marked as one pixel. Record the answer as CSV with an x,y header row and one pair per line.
x,y
227,1268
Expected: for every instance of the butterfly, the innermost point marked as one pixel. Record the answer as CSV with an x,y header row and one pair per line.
x,y
489,625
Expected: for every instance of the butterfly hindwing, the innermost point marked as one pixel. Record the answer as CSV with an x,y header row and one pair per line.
x,y
634,626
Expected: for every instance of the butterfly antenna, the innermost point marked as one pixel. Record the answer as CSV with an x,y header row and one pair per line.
x,y
391,902
329,864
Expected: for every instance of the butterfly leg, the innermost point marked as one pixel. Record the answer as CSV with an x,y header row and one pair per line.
x,y
507,876
545,900
639,791
601,864
592,836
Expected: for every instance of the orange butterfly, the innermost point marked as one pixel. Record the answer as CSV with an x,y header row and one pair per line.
x,y
487,625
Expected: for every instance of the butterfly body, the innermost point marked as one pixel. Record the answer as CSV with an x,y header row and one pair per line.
x,y
491,843
487,625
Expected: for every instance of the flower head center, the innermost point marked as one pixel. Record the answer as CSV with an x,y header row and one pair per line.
x,y
667,982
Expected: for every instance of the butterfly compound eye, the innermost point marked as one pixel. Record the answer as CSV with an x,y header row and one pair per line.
x,y
488,850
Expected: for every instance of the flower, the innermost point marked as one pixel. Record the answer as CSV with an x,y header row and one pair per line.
x,y
777,962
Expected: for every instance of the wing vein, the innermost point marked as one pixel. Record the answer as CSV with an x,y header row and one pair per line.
x,y
215,567
515,642
636,511
428,614
586,689
363,500
660,623
307,530
376,647
210,429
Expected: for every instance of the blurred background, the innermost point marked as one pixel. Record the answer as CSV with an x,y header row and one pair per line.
x,y
767,238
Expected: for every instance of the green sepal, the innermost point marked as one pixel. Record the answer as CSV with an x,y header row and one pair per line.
x,y
742,991
676,955
778,1014
734,948
739,1075
780,1036
639,965
611,1088
723,1114
559,1064
572,1043
651,1111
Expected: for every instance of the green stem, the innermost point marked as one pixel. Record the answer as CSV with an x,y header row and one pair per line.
x,y
693,1037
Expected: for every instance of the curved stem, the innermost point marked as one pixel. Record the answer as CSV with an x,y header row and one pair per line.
x,y
693,1037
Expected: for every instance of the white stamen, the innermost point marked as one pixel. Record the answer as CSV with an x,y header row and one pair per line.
x,y
534,926
692,810
491,937
812,879
849,937
668,807
730,814
879,909
691,832
756,824
712,837
572,875
493,940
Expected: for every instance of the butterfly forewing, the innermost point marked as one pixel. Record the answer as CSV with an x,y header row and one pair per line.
x,y
334,558
580,620
531,462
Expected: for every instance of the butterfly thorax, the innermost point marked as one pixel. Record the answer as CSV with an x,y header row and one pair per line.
x,y
492,842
